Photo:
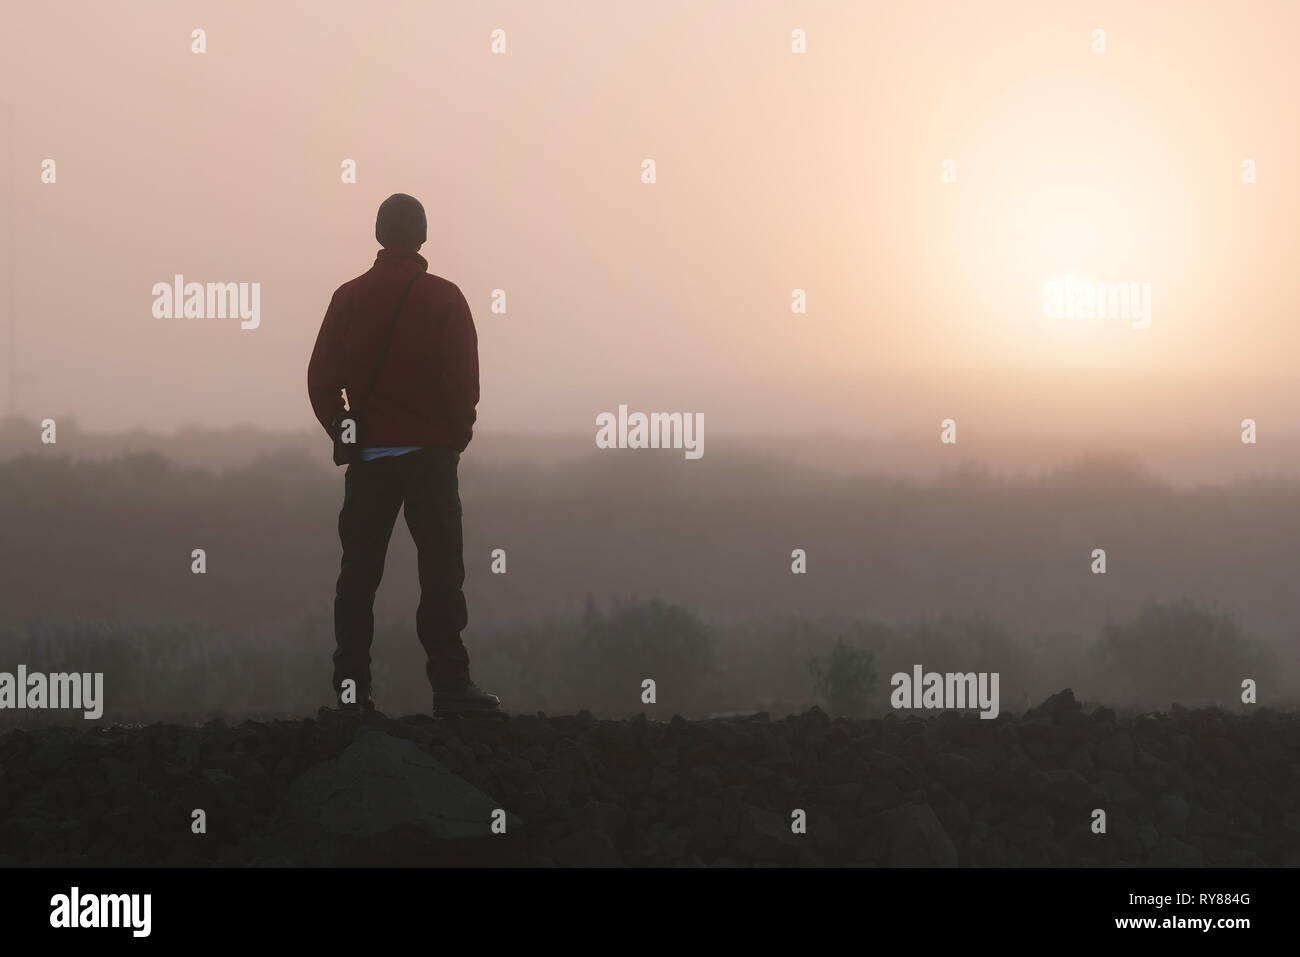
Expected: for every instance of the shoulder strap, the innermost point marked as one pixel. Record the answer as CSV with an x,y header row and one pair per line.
x,y
388,341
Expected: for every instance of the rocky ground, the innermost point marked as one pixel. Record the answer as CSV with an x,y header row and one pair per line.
x,y
1183,789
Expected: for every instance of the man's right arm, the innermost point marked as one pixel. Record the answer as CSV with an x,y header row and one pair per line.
x,y
325,371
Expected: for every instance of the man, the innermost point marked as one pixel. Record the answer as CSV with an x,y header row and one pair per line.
x,y
417,419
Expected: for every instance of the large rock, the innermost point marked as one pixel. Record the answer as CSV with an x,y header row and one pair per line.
x,y
586,847
384,801
916,838
1058,705
765,836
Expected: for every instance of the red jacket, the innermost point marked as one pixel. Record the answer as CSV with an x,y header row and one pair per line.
x,y
428,386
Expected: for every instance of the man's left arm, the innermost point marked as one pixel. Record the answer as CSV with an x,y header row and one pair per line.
x,y
459,374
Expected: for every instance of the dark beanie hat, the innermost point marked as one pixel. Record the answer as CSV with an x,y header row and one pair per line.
x,y
401,222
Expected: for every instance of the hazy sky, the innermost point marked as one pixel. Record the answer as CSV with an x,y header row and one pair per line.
x,y
775,171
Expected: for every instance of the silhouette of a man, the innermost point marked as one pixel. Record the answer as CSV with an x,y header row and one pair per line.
x,y
416,420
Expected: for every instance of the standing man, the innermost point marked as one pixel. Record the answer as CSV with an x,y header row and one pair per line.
x,y
409,336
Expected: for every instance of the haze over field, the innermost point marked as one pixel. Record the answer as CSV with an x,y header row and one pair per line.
x,y
925,178
965,569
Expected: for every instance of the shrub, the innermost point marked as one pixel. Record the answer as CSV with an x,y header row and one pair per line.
x,y
1176,652
844,679
615,652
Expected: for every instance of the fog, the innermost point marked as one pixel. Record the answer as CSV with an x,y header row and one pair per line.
x,y
845,255
686,566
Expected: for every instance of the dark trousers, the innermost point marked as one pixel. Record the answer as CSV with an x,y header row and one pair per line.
x,y
425,483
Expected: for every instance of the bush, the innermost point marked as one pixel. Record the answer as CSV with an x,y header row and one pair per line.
x,y
615,652
1177,652
844,679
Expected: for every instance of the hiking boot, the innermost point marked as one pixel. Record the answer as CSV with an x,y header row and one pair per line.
x,y
465,699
